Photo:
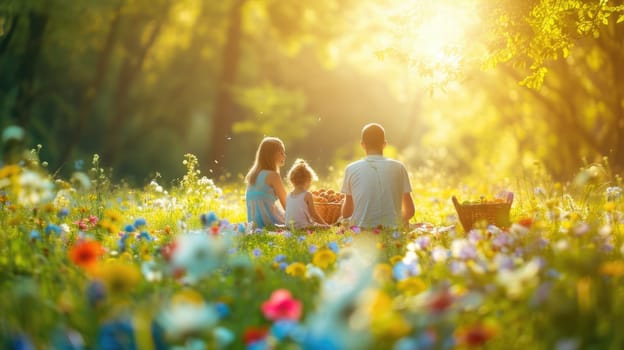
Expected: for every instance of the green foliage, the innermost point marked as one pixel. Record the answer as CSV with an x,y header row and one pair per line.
x,y
273,111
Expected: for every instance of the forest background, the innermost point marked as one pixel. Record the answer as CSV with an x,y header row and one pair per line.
x,y
462,87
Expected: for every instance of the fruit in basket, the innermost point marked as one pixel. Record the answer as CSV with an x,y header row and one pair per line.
x,y
327,196
483,200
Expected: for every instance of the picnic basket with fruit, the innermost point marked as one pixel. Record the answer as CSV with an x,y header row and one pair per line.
x,y
328,204
495,212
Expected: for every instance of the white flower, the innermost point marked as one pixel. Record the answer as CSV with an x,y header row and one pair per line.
x,y
462,249
515,281
34,189
439,254
183,319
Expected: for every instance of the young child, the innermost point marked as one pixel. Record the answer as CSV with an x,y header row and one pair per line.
x,y
300,211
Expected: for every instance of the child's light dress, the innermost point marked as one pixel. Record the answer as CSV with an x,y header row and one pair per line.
x,y
297,212
261,207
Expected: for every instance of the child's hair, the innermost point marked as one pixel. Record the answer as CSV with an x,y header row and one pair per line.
x,y
300,172
265,158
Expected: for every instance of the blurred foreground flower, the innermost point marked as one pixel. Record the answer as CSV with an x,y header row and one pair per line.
x,y
187,315
198,254
476,335
282,306
118,277
86,253
324,258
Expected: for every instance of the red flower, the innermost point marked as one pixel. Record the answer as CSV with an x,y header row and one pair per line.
x,y
475,335
85,253
254,334
282,306
440,301
526,222
167,250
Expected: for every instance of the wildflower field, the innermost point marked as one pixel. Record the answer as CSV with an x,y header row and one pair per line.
x,y
90,264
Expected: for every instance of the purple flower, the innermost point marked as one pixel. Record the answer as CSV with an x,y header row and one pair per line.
x,y
257,252
312,248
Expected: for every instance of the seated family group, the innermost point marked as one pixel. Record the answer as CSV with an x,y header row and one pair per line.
x,y
376,188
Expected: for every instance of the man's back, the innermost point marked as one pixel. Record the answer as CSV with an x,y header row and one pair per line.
x,y
377,185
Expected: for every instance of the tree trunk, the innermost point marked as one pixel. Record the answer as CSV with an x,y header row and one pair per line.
x,y
93,88
4,44
26,70
129,71
223,117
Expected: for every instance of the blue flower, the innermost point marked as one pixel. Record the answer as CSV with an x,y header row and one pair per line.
x,y
158,337
34,234
257,252
129,228
122,242
139,222
283,265
312,248
279,257
222,309
283,328
116,334
400,271
258,345
144,235
223,336
63,213
21,342
50,228
96,291
241,228
208,219
333,246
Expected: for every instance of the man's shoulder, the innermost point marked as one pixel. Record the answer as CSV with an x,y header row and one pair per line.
x,y
355,164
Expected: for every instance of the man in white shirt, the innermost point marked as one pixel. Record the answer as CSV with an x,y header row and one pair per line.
x,y
377,189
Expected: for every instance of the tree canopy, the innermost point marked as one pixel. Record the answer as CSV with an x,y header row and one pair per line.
x,y
462,85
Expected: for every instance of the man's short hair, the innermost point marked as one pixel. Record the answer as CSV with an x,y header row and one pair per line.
x,y
373,136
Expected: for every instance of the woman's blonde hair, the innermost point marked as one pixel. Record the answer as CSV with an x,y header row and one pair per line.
x,y
300,172
265,158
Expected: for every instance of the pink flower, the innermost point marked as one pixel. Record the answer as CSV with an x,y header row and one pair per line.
x,y
282,306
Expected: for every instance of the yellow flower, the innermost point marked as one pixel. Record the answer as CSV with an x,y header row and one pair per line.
x,y
382,273
323,258
118,277
385,321
411,285
612,268
187,296
9,171
113,215
609,206
296,269
395,259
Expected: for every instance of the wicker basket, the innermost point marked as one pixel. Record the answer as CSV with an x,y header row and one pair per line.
x,y
492,213
330,212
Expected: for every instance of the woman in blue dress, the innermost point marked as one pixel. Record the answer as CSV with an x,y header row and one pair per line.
x,y
264,185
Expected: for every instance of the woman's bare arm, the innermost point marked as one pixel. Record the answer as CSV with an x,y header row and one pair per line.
x,y
275,181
